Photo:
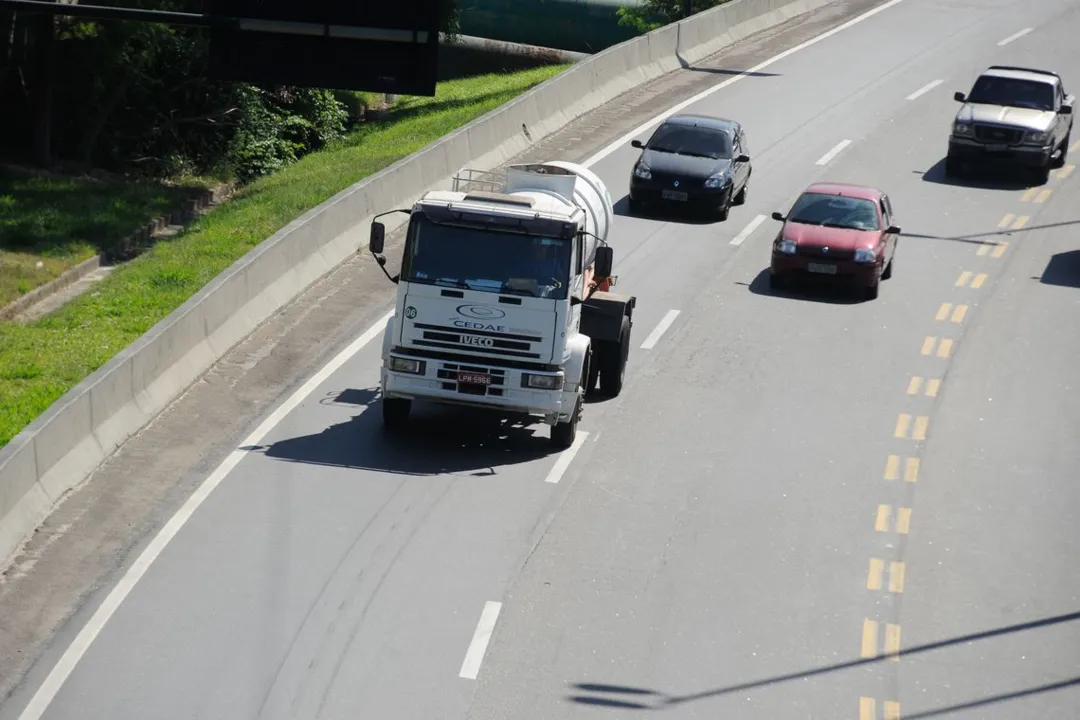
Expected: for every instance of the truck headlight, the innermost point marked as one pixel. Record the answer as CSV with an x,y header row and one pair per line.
x,y
865,255
960,128
717,180
543,382
786,246
1036,137
406,365
642,171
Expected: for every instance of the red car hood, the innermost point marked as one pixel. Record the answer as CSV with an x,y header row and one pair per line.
x,y
838,238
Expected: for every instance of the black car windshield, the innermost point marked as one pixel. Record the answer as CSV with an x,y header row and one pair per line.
x,y
1012,92
691,140
835,211
487,260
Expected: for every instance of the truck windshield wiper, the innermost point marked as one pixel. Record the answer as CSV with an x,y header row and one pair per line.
x,y
452,282
506,290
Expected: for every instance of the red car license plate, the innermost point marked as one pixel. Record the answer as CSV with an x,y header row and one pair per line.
x,y
472,378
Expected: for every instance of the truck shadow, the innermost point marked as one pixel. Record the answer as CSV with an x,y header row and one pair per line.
x,y
983,176
437,440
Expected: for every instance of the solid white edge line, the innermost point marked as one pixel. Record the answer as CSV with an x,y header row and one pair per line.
x,y
748,230
625,139
924,89
474,656
48,690
1015,36
837,149
59,674
659,330
565,458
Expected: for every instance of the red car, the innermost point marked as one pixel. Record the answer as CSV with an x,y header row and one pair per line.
x,y
839,230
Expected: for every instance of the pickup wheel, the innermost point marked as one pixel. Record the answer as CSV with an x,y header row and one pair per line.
x,y
952,167
1042,174
1061,158
612,361
395,412
564,433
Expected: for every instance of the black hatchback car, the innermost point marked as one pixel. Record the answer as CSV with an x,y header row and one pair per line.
x,y
692,161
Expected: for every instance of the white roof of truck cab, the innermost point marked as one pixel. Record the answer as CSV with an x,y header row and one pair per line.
x,y
545,204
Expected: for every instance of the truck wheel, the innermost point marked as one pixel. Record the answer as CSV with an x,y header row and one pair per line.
x,y
563,434
395,412
613,361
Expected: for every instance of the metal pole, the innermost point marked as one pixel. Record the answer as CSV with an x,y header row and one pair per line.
x,y
99,12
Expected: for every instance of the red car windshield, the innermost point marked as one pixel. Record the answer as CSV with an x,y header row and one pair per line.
x,y
835,211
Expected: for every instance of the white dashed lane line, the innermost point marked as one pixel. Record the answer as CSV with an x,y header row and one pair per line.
x,y
566,457
474,656
1015,36
827,157
748,230
659,330
924,89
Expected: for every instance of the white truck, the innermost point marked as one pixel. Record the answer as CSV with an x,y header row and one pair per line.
x,y
503,297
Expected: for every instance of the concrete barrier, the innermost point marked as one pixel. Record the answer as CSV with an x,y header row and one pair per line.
x,y
62,447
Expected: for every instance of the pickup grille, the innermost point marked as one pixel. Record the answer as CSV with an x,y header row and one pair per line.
x,y
997,134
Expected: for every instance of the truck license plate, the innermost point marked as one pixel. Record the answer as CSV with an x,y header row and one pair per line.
x,y
822,268
673,195
472,378
997,147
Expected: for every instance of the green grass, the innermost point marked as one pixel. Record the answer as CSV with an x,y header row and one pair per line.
x,y
49,223
40,361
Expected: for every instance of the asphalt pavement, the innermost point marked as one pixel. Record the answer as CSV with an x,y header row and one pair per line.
x,y
803,505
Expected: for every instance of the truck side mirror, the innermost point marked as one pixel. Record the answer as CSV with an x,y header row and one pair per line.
x,y
778,216
378,237
636,144
959,96
605,259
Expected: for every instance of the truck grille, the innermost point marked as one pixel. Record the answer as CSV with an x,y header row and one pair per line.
x,y
997,134
476,341
448,375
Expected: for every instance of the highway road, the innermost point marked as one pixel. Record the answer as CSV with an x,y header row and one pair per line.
x,y
802,505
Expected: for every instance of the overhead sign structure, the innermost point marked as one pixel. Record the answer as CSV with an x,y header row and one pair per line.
x,y
388,46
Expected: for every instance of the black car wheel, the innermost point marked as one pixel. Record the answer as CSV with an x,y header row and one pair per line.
x,y
740,199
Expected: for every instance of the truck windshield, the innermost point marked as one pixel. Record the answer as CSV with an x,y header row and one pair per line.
x,y
486,260
1012,92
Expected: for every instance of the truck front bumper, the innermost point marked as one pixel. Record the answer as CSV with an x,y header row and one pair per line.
x,y
438,380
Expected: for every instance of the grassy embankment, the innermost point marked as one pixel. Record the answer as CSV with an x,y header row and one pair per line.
x,y
42,360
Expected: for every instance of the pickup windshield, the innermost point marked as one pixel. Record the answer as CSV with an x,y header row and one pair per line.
x,y
486,260
835,211
1012,92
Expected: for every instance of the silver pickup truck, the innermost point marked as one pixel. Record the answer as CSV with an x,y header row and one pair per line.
x,y
1016,115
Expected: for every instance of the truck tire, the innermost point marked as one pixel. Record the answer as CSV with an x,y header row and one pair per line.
x,y
613,361
564,433
395,412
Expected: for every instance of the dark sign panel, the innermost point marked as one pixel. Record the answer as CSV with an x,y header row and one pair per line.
x,y
389,46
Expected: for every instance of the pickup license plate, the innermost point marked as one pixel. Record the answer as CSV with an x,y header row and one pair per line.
x,y
472,378
823,268
673,195
997,147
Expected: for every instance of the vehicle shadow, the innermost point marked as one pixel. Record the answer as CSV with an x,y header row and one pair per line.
x,y
437,440
1063,270
989,177
821,291
635,698
666,214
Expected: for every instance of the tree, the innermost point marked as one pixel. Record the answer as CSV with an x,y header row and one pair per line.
x,y
652,14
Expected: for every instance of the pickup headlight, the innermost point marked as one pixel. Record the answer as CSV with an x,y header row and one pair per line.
x,y
642,171
960,128
785,246
865,255
543,382
1037,136
717,180
406,365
